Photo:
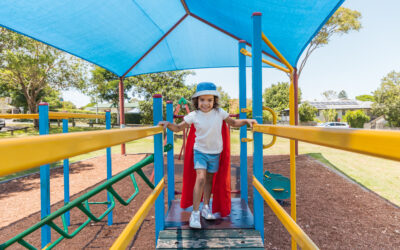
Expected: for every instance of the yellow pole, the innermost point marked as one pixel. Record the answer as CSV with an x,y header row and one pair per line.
x,y
247,53
292,157
272,47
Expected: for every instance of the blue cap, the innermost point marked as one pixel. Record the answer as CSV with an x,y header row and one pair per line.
x,y
206,88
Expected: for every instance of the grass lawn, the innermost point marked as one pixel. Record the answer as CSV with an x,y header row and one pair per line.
x,y
381,176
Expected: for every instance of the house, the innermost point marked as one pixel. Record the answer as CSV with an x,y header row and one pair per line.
x,y
128,108
340,106
6,108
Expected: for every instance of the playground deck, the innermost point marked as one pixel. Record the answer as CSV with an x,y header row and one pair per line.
x,y
333,211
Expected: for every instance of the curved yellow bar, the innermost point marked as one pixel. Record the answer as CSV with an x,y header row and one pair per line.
x,y
19,154
19,116
295,231
247,53
380,143
274,119
272,47
60,115
130,230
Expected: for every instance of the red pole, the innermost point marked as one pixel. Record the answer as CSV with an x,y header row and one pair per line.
x,y
121,109
296,105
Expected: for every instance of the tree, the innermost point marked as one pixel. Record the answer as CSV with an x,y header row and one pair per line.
x,y
356,118
277,96
223,99
330,115
330,94
169,84
387,98
31,68
365,98
343,21
307,112
343,95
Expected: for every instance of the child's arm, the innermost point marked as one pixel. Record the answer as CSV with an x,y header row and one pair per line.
x,y
240,122
174,127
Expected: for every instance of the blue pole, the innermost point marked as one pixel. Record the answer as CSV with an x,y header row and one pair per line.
x,y
243,129
170,156
109,168
158,163
66,176
44,175
257,114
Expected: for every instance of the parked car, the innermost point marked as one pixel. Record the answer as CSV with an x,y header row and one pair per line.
x,y
334,125
2,123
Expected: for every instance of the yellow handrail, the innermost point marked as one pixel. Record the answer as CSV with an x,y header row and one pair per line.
x,y
247,53
130,230
291,226
19,154
384,144
52,115
274,118
19,116
272,47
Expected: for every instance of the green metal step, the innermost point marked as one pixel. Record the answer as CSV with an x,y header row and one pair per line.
x,y
210,239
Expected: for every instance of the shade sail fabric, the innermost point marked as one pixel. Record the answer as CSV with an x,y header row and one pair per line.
x,y
162,35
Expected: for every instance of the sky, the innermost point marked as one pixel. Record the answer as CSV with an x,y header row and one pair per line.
x,y
355,62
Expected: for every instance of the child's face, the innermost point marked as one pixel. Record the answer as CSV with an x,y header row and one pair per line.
x,y
206,103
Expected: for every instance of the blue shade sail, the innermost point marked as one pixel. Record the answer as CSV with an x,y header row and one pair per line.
x,y
161,35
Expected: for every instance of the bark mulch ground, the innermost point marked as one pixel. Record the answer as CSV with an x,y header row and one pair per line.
x,y
335,212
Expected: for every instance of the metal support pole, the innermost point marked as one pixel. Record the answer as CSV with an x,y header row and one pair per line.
x,y
109,168
170,156
158,163
243,129
257,114
121,110
66,176
44,175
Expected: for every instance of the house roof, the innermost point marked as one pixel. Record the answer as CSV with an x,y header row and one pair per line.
x,y
341,104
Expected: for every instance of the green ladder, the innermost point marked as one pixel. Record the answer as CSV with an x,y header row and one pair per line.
x,y
210,239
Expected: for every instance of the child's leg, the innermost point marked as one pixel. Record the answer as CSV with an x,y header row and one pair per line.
x,y
208,188
199,188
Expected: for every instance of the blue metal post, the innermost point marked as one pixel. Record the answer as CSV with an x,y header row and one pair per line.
x,y
243,129
109,168
158,163
170,156
44,175
66,176
257,114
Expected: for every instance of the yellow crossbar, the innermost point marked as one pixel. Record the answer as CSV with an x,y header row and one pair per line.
x,y
384,144
19,116
247,53
130,230
19,154
295,231
52,115
272,47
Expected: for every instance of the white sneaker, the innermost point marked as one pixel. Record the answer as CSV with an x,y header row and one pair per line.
x,y
194,221
207,214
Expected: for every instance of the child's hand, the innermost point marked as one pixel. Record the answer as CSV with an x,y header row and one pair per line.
x,y
164,124
250,122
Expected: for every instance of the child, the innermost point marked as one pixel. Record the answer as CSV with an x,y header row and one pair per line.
x,y
208,121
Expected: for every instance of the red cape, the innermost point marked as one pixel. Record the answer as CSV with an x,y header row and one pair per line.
x,y
222,179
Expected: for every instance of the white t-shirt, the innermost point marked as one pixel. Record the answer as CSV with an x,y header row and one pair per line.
x,y
208,129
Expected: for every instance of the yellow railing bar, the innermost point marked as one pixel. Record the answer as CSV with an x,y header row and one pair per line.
x,y
272,47
384,144
130,230
19,154
295,231
247,53
60,115
274,118
19,116
52,115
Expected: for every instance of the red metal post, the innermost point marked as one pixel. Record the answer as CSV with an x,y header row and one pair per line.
x,y
296,105
121,110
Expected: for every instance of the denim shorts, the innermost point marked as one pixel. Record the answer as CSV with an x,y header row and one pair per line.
x,y
209,162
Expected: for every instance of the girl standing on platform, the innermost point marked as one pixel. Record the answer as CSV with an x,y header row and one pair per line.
x,y
208,120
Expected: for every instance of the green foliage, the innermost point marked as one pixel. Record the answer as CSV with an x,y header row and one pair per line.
x,y
365,98
343,95
277,96
330,115
342,22
132,118
31,70
169,84
330,94
356,119
387,98
307,112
